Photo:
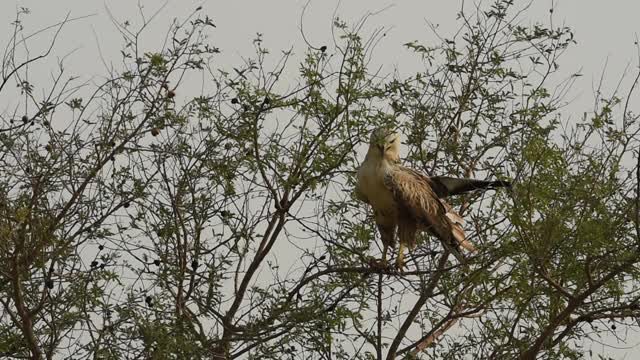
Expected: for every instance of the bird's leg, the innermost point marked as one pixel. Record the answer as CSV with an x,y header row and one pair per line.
x,y
387,235
385,249
400,258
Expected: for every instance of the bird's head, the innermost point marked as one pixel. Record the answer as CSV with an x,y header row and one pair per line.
x,y
385,143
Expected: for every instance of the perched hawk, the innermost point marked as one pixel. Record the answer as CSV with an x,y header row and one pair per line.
x,y
406,201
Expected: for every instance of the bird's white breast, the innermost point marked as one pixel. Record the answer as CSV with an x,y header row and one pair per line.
x,y
371,183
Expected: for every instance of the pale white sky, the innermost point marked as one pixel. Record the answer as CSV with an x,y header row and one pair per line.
x,y
605,31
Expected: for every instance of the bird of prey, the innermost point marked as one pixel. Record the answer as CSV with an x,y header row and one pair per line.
x,y
406,201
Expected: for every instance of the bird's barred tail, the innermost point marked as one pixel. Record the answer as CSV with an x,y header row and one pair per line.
x,y
445,186
497,184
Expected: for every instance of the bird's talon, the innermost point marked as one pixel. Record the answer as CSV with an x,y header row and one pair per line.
x,y
378,264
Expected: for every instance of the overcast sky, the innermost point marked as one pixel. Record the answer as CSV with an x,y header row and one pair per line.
x,y
605,31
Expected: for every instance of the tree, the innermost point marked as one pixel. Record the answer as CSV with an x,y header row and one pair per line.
x,y
140,221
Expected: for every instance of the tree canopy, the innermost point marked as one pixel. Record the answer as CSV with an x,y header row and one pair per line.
x,y
140,221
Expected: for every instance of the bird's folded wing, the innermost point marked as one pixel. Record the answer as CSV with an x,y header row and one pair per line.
x,y
412,190
457,222
359,194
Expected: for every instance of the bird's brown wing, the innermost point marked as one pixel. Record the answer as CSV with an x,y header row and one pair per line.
x,y
413,192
